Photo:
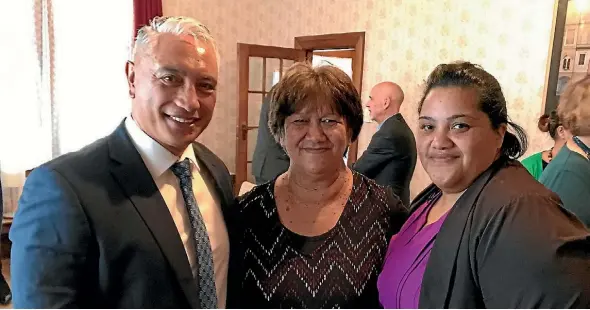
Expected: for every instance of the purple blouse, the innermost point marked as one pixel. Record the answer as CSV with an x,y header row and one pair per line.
x,y
401,278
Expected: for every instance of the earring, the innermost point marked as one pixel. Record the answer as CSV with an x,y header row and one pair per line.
x,y
132,95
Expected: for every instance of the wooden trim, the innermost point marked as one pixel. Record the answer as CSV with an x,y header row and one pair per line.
x,y
242,116
255,50
336,53
263,75
329,41
351,40
550,99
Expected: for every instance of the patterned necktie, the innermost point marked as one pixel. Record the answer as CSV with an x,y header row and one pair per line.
x,y
207,293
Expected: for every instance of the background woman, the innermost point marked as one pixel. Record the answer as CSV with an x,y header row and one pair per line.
x,y
537,162
569,172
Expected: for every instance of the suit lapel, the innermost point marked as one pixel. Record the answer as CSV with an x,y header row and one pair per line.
x,y
136,181
440,270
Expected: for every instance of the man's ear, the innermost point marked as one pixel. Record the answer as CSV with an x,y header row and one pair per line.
x,y
386,103
130,72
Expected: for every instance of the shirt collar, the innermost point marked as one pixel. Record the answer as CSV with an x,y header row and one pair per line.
x,y
156,157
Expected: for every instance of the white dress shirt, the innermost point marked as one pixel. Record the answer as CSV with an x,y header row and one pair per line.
x,y
158,161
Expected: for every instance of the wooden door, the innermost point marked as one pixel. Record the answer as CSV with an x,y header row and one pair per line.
x,y
259,68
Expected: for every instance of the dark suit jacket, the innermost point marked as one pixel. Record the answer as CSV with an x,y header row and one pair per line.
x,y
269,159
507,243
92,230
390,158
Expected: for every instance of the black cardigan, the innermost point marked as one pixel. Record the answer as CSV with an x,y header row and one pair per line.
x,y
507,243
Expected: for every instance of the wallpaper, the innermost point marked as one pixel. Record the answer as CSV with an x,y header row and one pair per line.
x,y
405,40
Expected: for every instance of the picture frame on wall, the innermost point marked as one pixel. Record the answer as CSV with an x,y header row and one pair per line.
x,y
570,50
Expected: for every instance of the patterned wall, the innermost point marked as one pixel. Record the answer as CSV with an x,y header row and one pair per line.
x,y
405,40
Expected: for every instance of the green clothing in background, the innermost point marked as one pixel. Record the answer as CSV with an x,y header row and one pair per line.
x,y
534,164
568,175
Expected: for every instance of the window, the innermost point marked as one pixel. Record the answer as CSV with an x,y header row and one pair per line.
x,y
24,118
62,80
90,84
68,87
582,60
566,63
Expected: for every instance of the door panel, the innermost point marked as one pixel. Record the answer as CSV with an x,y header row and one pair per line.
x,y
259,68
254,106
344,64
272,72
255,74
252,134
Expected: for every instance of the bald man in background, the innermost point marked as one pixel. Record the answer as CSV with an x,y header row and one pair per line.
x,y
390,158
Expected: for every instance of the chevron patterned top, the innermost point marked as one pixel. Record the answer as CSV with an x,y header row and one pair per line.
x,y
338,269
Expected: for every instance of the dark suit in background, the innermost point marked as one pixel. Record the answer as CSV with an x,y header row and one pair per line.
x,y
93,231
269,159
390,158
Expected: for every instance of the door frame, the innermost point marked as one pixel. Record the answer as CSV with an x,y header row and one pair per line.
x,y
339,41
244,52
336,53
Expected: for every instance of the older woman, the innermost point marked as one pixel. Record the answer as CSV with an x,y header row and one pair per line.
x,y
315,236
537,162
569,173
485,234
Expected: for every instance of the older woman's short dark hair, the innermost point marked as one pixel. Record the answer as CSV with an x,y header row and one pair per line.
x,y
302,85
574,107
491,99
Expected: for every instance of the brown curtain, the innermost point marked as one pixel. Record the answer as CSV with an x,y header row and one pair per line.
x,y
144,11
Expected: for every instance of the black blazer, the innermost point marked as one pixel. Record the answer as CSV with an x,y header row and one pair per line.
x,y
269,159
390,158
507,243
93,231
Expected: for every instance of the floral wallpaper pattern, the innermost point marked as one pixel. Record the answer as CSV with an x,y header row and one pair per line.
x,y
405,40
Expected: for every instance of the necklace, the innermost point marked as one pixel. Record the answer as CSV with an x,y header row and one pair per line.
x,y
583,146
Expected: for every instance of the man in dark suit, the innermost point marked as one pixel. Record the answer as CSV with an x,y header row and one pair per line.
x,y
269,159
136,219
390,158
